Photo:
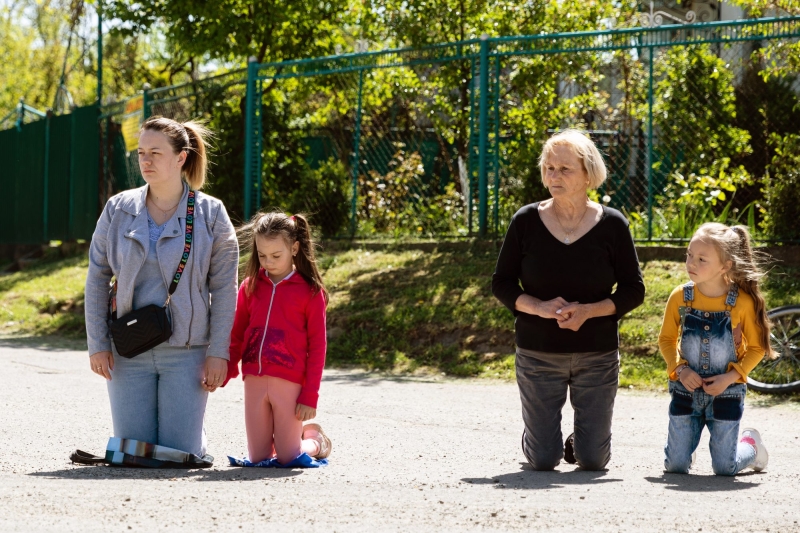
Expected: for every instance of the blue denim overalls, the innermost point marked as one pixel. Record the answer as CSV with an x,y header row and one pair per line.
x,y
707,344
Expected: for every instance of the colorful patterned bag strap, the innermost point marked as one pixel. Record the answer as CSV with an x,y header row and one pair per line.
x,y
187,247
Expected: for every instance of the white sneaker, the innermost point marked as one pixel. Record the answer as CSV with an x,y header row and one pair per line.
x,y
694,456
762,457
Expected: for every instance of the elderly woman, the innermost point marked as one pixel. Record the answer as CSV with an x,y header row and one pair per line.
x,y
557,271
159,396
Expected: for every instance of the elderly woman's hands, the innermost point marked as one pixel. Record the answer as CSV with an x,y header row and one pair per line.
x,y
576,313
543,308
214,373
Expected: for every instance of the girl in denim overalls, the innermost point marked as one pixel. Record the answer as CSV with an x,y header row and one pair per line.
x,y
715,331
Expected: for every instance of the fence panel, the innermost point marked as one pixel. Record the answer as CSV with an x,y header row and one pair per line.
x,y
9,154
51,173
28,227
56,203
379,155
84,200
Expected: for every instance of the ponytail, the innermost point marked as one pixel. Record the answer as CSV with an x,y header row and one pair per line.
x,y
195,168
190,137
746,273
305,261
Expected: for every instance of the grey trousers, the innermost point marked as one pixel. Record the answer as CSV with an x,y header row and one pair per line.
x,y
543,379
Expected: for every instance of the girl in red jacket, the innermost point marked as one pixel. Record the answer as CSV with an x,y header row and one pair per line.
x,y
279,337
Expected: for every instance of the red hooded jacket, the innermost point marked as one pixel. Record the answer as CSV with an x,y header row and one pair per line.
x,y
279,331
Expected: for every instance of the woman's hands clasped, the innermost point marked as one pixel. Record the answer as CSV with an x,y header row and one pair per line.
x,y
574,314
569,315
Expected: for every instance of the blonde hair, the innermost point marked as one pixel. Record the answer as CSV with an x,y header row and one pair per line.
x,y
189,137
582,147
733,244
292,229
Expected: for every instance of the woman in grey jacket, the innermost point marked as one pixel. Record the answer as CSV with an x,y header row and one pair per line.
x,y
160,395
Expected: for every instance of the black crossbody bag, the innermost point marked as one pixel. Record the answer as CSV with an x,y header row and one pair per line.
x,y
145,328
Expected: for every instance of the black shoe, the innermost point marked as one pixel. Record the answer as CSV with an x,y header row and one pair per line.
x,y
569,449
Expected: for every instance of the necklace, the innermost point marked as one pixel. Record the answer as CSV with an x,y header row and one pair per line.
x,y
567,234
166,213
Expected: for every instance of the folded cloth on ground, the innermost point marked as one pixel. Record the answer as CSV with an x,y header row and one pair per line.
x,y
135,453
301,461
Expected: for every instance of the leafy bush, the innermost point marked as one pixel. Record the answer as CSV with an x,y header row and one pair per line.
x,y
403,202
324,194
782,188
694,116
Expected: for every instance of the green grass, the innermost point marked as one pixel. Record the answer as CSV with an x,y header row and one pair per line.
x,y
398,309
45,299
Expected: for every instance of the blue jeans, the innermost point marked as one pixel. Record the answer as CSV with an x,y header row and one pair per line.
x,y
157,397
689,413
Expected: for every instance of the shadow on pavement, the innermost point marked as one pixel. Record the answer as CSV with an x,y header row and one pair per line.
x,y
527,478
45,342
200,474
370,379
704,483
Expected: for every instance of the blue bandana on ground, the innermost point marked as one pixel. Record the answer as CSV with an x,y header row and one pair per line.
x,y
301,461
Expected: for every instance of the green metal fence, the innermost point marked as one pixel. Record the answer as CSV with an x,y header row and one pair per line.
x,y
443,141
50,171
669,106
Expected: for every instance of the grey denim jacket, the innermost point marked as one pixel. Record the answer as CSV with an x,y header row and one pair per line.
x,y
119,247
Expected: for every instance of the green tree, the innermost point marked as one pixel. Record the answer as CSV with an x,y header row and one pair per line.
x,y
35,36
42,38
233,30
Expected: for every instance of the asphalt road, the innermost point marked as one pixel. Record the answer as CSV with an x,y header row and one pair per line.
x,y
409,454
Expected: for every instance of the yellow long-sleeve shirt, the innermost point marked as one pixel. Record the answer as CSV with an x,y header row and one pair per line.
x,y
748,353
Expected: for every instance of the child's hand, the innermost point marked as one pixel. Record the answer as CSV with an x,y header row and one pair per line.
x,y
690,379
716,385
304,412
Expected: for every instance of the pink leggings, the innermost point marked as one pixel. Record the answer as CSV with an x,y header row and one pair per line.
x,y
273,430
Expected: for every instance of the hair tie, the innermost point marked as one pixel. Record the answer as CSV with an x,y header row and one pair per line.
x,y
293,219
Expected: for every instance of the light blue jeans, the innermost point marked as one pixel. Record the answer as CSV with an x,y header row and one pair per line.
x,y
689,412
157,397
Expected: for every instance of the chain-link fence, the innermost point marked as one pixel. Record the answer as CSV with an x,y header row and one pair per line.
x,y
682,113
444,141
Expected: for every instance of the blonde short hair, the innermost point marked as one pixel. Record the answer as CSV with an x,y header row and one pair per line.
x,y
582,147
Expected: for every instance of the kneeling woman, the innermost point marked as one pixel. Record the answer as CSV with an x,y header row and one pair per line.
x,y
557,269
159,396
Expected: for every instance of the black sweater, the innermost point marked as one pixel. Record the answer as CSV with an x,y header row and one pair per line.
x,y
584,271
